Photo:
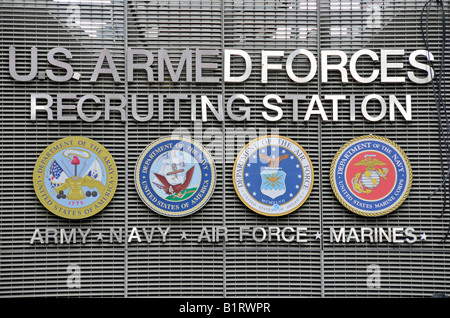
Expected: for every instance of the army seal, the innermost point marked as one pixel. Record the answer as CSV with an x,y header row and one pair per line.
x,y
75,177
175,176
371,176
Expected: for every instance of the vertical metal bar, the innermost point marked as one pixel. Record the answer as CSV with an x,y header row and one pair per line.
x,y
224,247
126,150
319,126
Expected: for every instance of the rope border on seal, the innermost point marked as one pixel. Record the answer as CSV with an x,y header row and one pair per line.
x,y
353,209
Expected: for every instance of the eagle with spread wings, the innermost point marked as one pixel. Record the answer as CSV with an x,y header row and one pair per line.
x,y
273,162
370,163
177,188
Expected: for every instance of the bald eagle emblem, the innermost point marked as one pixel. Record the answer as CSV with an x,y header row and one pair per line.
x,y
273,162
365,182
273,178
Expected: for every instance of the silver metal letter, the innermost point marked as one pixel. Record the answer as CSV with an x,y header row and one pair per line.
x,y
265,66
337,67
406,112
163,59
364,107
385,66
207,103
80,108
134,111
246,110
60,107
51,59
421,66
12,65
335,99
35,107
272,107
120,108
353,70
199,66
315,100
227,66
313,67
295,99
105,53
131,66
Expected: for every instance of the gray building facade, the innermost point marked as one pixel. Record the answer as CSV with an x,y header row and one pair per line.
x,y
183,265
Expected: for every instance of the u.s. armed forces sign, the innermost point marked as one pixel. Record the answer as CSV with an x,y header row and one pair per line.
x,y
75,177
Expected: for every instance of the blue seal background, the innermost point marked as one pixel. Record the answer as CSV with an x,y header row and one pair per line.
x,y
289,166
206,174
358,203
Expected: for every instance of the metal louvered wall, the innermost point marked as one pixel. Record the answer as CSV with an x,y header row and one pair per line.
x,y
318,268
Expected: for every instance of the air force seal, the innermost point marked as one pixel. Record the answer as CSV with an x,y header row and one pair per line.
x,y
175,176
371,176
75,177
273,175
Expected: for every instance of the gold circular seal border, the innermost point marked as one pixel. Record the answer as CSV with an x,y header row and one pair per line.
x,y
312,175
37,175
151,205
351,208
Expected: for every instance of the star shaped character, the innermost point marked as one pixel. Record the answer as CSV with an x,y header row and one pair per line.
x,y
99,237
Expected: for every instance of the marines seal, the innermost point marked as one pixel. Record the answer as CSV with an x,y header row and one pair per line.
x,y
371,175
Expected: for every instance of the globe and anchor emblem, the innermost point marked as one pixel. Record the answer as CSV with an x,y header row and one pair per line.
x,y
371,175
365,182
